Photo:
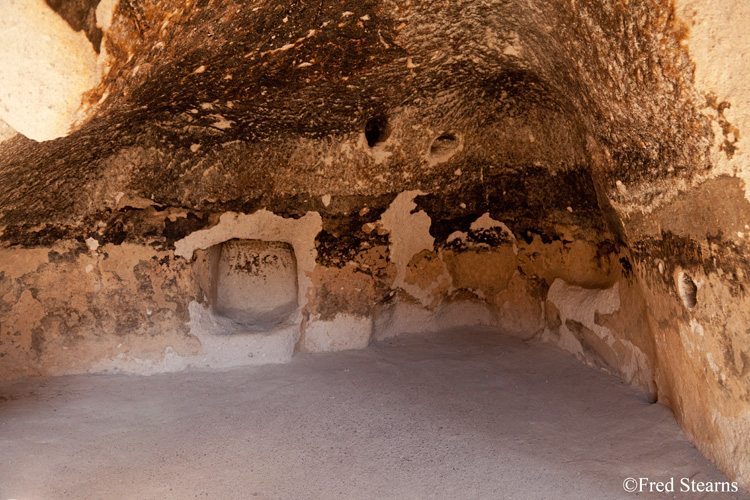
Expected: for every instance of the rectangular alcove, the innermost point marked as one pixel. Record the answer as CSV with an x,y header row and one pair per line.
x,y
252,282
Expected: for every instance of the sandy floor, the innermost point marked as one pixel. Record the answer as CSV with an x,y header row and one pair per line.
x,y
469,416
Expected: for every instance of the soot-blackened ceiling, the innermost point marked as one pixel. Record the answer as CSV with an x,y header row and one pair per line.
x,y
229,105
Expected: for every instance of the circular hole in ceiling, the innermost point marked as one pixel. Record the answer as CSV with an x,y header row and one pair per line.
x,y
444,147
377,130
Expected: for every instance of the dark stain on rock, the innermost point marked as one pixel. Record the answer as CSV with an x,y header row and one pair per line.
x,y
337,251
627,268
80,15
181,227
37,341
142,273
687,253
115,232
30,236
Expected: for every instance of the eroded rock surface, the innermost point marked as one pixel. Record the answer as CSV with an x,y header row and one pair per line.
x,y
558,171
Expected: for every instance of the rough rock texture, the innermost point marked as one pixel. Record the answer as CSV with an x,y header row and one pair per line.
x,y
569,171
256,281
47,67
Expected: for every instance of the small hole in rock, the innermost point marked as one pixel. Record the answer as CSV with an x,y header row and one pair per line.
x,y
377,130
687,289
444,147
446,142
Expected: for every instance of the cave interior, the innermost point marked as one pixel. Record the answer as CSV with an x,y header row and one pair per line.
x,y
197,186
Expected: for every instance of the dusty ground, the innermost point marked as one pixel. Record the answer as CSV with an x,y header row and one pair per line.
x,y
454,416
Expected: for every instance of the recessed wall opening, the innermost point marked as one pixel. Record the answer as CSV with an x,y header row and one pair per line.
x,y
254,282
687,289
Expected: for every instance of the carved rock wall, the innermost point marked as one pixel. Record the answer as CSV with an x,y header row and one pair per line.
x,y
565,171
